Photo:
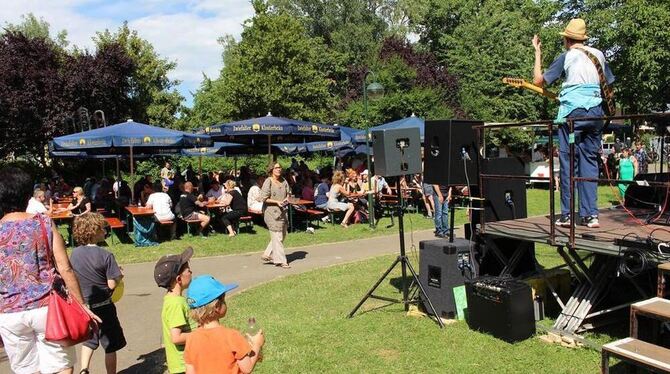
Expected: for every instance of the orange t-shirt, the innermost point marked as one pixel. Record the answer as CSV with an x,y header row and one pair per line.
x,y
215,350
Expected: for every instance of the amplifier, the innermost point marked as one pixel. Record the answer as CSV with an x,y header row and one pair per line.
x,y
500,306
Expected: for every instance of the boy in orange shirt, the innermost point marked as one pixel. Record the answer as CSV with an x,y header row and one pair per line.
x,y
214,348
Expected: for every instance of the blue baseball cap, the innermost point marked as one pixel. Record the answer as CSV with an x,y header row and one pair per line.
x,y
204,289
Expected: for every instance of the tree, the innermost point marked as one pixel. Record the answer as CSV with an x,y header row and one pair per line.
x,y
276,67
99,82
635,36
153,97
413,80
34,28
350,27
484,42
41,88
31,107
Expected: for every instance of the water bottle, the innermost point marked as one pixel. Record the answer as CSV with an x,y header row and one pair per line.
x,y
252,327
252,330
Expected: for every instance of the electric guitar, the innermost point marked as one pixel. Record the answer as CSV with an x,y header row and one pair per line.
x,y
521,83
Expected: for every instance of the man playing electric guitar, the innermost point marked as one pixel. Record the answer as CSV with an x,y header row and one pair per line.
x,y
579,97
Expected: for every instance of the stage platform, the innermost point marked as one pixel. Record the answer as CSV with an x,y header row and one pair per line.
x,y
615,223
595,276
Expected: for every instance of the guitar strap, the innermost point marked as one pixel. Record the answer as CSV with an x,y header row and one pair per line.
x,y
607,93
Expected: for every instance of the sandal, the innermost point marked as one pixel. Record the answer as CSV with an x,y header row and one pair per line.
x,y
344,225
266,259
284,266
84,371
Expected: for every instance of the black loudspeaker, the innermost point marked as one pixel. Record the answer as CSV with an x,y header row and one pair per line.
x,y
450,147
502,307
440,270
397,151
505,198
641,196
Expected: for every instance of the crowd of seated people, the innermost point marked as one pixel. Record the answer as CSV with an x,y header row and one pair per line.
x,y
185,195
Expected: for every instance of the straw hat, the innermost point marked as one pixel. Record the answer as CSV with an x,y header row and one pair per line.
x,y
576,30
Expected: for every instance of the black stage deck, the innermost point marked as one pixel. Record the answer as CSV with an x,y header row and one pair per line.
x,y
615,223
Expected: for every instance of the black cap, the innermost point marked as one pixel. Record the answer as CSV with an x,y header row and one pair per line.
x,y
167,267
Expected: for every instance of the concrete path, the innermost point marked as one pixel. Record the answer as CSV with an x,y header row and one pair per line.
x,y
140,308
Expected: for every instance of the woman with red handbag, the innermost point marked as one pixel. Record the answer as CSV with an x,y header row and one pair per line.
x,y
26,280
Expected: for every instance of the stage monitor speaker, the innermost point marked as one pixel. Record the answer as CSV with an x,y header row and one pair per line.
x,y
450,147
505,198
397,151
650,197
440,270
500,306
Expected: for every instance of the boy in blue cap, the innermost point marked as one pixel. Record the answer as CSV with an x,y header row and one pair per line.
x,y
214,348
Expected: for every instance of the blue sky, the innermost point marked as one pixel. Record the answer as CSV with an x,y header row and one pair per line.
x,y
184,31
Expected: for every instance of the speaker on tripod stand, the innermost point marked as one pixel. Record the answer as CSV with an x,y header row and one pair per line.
x,y
397,153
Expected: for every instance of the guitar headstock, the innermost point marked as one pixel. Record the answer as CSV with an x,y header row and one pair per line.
x,y
515,82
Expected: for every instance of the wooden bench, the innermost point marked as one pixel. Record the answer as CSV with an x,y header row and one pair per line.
x,y
114,224
247,221
172,227
638,353
335,212
313,215
190,222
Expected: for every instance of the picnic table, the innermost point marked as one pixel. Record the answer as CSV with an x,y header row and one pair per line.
x,y
144,226
295,202
64,217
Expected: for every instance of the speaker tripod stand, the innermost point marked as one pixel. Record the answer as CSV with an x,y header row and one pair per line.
x,y
404,265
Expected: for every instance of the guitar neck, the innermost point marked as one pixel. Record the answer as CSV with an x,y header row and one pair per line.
x,y
539,90
520,83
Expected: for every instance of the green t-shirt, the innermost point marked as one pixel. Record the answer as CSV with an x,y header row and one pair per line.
x,y
175,314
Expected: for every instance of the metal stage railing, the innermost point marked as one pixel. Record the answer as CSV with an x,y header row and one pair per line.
x,y
661,118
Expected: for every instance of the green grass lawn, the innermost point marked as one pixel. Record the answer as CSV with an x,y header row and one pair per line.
x,y
304,318
257,240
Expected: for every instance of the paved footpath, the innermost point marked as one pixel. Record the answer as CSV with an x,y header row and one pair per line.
x,y
140,308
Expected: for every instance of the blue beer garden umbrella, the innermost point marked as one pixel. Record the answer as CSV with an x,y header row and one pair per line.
x,y
261,131
128,138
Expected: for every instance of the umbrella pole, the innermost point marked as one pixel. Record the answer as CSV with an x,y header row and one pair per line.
x,y
132,176
235,167
200,167
118,170
269,149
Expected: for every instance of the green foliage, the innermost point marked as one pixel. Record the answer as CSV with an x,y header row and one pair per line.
x,y
153,95
33,27
276,67
482,42
636,37
352,28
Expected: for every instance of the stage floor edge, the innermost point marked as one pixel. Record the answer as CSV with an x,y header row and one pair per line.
x,y
615,223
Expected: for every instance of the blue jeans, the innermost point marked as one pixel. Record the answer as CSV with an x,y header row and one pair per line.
x,y
588,135
441,216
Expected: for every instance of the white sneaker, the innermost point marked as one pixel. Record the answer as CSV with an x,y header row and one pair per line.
x,y
310,230
325,219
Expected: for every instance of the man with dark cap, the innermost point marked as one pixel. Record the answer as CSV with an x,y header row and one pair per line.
x,y
173,273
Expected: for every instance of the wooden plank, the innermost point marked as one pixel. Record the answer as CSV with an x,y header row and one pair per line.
x,y
642,352
654,307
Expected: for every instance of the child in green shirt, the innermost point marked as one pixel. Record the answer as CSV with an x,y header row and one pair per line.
x,y
173,273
